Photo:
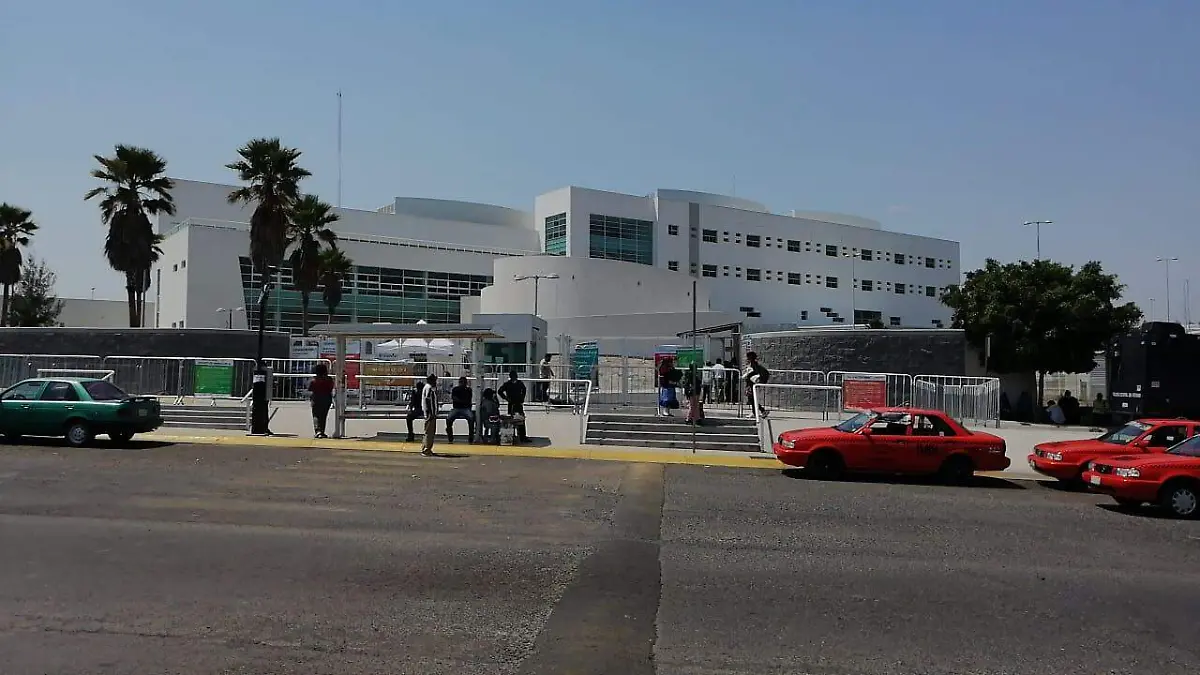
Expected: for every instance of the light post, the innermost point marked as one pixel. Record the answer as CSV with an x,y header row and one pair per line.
x,y
1151,315
260,416
1167,262
1037,224
536,279
853,286
229,311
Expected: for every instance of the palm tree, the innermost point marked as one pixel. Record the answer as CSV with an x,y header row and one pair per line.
x,y
136,189
309,228
334,268
15,230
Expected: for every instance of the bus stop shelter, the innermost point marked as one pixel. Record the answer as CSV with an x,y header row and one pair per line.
x,y
341,333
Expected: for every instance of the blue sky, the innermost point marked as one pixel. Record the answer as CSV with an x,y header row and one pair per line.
x,y
951,119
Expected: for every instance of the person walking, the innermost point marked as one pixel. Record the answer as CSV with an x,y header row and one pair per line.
x,y
320,397
668,382
430,404
513,392
756,373
692,389
460,408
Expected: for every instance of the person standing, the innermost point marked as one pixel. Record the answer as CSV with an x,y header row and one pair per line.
x,y
430,404
460,408
692,389
668,382
707,379
489,417
320,397
414,409
513,392
756,373
542,389
718,380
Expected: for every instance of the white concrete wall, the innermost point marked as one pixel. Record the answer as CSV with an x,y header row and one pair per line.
x,y
88,313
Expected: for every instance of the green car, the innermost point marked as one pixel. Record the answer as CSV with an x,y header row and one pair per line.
x,y
75,408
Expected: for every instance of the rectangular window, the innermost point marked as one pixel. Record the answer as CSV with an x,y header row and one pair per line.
x,y
556,234
753,241
931,291
831,250
794,278
899,289
804,315
831,282
868,285
894,320
710,271
182,264
673,230
793,245
753,274
709,236
627,239
930,263
867,254
673,265
898,258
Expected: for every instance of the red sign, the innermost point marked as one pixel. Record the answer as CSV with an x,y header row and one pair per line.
x,y
864,392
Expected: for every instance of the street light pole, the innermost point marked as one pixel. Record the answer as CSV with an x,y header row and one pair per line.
x,y
1037,224
1167,261
853,288
536,280
260,415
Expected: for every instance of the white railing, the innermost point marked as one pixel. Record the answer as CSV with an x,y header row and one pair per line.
x,y
106,375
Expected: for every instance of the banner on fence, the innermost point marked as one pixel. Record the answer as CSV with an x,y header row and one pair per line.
x,y
397,368
585,358
213,376
684,358
862,392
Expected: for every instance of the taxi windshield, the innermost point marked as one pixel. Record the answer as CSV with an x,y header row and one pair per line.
x,y
1125,434
855,423
1188,448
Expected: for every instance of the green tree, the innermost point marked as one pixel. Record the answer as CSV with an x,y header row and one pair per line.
x,y
1041,316
16,229
273,185
34,303
136,188
309,229
335,267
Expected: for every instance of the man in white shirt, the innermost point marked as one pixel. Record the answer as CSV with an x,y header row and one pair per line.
x,y
429,405
707,379
718,378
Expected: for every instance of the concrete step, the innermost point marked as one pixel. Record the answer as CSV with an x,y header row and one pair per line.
x,y
204,424
652,428
678,444
675,420
701,432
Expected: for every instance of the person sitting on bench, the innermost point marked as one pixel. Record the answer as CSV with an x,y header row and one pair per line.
x,y
460,408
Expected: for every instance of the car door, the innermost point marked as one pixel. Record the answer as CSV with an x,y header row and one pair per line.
x,y
1162,437
58,401
886,444
932,441
16,408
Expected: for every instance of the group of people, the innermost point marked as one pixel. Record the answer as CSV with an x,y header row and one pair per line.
x,y
425,402
698,384
1067,410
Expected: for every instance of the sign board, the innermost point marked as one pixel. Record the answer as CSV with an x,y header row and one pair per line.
x,y
585,358
388,368
213,376
686,357
863,392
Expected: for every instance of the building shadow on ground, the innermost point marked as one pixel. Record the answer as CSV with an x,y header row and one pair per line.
x,y
978,482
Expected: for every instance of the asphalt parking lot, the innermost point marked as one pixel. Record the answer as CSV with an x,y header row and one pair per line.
x,y
197,559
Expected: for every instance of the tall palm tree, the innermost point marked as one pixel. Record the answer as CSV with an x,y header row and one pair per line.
x,y
136,189
273,179
334,267
16,228
308,230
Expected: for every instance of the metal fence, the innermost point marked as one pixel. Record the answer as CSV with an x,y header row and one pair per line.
x,y
965,398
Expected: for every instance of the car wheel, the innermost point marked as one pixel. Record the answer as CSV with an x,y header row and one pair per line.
x,y
1182,499
78,434
824,465
122,437
957,470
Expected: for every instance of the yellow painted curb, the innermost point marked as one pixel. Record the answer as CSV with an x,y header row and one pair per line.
x,y
599,453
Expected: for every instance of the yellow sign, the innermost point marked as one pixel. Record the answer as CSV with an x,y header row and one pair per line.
x,y
377,368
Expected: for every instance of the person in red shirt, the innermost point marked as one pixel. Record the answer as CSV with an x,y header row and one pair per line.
x,y
320,396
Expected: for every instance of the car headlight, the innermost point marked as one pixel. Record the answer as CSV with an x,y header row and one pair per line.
x,y
1091,466
788,444
1054,456
1128,473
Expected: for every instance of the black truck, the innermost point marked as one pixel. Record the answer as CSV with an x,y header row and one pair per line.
x,y
1154,371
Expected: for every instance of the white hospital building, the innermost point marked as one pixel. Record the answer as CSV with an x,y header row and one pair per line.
x,y
624,265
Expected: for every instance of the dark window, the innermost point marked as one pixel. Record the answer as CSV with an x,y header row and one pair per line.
x,y
627,239
556,234
753,274
867,316
745,309
673,230
100,390
868,285
898,259
793,245
831,282
931,291
804,315
831,251
894,320
673,265
932,425
794,278
709,236
930,263
60,391
25,391
753,241
1166,436
866,254
753,315
899,289
710,271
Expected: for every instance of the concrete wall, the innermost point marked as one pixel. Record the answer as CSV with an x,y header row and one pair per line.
x,y
915,352
203,343
88,313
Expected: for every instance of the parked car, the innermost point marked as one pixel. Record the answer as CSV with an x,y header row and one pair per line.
x,y
77,409
896,441
1067,460
1169,479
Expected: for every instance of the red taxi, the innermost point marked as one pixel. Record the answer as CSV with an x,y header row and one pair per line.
x,y
1169,479
893,440
1067,460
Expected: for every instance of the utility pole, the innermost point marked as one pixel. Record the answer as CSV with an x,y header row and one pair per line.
x,y
1187,303
536,279
1037,224
1167,262
339,149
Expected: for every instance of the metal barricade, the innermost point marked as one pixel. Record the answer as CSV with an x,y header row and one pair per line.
x,y
974,399
290,377
867,390
790,406
17,367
